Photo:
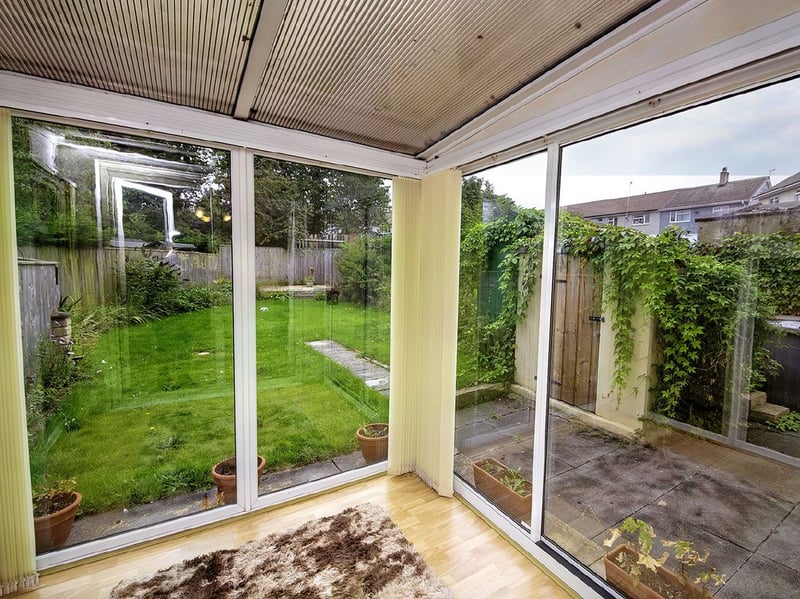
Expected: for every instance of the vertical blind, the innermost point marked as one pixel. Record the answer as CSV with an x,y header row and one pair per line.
x,y
17,549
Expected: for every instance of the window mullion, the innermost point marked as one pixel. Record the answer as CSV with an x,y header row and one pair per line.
x,y
244,335
543,365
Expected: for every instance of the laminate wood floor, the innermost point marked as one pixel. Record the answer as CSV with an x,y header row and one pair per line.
x,y
470,556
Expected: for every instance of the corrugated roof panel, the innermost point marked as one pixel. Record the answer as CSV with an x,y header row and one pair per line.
x,y
402,75
189,52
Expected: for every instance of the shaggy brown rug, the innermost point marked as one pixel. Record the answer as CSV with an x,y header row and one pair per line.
x,y
359,553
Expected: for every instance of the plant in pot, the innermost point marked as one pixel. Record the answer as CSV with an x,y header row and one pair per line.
x,y
54,509
224,475
633,568
373,439
504,486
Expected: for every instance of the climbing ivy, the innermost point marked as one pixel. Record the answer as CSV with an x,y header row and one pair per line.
x,y
486,343
697,294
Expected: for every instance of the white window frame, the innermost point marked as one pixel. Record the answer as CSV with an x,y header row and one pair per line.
x,y
675,216
640,219
721,209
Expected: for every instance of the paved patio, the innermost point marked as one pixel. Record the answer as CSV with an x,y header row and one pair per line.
x,y
96,526
740,507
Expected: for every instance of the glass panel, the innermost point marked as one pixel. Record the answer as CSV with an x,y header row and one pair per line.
x,y
323,265
125,267
501,239
689,430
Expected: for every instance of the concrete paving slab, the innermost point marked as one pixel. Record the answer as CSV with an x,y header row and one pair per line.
x,y
517,419
576,445
761,578
556,466
701,451
783,545
349,461
478,434
580,518
784,442
619,483
275,481
729,507
374,375
768,476
106,524
573,541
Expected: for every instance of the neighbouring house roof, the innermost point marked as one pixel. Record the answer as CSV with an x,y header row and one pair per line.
x,y
716,195
674,199
647,202
787,183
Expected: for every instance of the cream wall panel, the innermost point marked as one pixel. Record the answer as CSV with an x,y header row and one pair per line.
x,y
426,229
404,389
17,550
625,407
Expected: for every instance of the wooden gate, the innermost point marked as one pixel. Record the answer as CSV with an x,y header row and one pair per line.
x,y
576,337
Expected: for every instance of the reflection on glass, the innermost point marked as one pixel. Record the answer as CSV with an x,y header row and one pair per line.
x,y
501,239
688,281
323,264
124,264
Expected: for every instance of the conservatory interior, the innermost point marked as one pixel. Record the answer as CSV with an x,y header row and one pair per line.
x,y
225,223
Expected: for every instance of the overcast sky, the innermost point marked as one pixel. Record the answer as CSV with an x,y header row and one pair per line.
x,y
753,135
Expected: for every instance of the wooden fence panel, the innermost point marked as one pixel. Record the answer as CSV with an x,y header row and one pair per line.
x,y
92,273
39,296
576,339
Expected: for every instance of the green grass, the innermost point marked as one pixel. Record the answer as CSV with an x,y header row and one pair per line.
x,y
156,410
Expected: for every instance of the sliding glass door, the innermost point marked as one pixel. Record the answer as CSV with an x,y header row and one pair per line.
x,y
322,279
125,269
675,301
501,238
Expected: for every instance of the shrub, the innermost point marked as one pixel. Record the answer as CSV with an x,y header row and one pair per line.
x,y
154,290
364,271
151,286
50,387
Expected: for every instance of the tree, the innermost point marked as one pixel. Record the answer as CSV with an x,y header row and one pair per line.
x,y
312,200
480,203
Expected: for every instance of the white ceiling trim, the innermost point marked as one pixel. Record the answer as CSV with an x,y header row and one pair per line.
x,y
61,100
771,70
269,23
627,33
762,42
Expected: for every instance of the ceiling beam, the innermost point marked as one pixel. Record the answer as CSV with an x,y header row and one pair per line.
x,y
270,18
62,101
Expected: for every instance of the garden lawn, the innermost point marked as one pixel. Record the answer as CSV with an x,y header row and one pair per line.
x,y
155,410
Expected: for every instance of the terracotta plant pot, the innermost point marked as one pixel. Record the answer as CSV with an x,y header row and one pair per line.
x,y
488,483
373,448
637,589
226,483
52,530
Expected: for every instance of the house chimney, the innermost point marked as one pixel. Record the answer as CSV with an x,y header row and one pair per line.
x,y
723,176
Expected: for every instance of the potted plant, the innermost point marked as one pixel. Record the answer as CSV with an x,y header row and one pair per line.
x,y
504,486
373,439
224,475
633,568
54,510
